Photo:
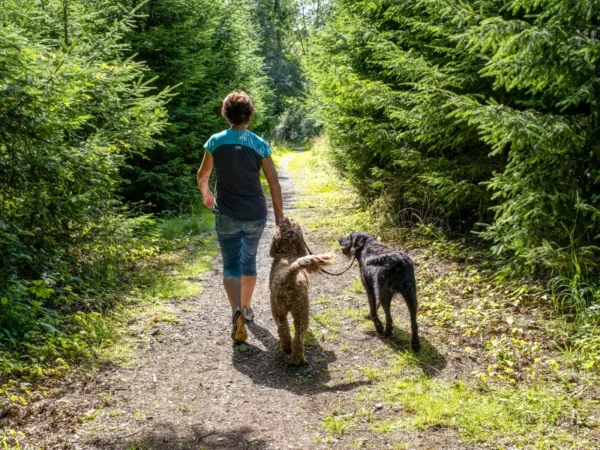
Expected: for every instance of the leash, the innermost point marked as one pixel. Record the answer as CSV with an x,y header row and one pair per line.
x,y
325,271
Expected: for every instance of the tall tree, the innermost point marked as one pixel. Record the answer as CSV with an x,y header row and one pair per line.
x,y
276,20
72,108
483,111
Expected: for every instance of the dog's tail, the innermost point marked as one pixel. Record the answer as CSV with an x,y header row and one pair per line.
x,y
310,263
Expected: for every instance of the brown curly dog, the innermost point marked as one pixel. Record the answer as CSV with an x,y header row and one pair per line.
x,y
289,286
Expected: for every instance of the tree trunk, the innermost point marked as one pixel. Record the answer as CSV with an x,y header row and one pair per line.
x,y
65,21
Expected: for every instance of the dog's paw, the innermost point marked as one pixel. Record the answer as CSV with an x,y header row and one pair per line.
x,y
297,361
416,347
379,327
388,332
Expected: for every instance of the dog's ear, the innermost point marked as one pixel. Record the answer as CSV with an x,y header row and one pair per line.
x,y
358,242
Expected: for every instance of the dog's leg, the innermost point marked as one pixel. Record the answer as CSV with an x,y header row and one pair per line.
x,y
300,315
410,296
373,307
368,315
283,328
385,299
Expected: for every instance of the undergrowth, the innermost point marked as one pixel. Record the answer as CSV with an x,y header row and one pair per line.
x,y
48,324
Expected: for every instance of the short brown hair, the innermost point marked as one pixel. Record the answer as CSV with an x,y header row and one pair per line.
x,y
237,108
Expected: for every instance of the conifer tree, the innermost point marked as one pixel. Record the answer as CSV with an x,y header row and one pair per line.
x,y
73,106
472,112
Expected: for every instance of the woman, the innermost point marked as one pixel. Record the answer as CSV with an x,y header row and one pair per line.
x,y
240,208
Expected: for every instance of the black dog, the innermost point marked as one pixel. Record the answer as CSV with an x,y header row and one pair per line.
x,y
384,272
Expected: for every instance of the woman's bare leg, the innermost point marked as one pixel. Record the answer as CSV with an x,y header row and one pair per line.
x,y
248,284
233,288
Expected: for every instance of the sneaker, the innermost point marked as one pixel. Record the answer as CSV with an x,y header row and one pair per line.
x,y
249,314
238,330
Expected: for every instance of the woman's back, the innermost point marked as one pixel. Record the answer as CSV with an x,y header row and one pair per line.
x,y
238,159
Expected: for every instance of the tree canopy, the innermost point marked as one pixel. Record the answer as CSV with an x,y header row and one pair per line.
x,y
206,49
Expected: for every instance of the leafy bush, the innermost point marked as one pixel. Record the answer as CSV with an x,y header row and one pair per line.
x,y
73,107
64,315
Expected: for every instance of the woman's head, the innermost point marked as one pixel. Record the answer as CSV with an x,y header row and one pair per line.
x,y
237,108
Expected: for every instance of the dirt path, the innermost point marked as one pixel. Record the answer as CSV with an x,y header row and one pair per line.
x,y
190,388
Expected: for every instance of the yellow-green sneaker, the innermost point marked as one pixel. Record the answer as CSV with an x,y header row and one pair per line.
x,y
238,331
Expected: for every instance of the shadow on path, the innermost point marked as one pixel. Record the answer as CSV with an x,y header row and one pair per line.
x,y
169,436
429,359
271,368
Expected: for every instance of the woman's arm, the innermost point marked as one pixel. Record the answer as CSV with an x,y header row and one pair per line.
x,y
271,174
203,176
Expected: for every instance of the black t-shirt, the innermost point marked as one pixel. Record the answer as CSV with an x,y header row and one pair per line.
x,y
238,159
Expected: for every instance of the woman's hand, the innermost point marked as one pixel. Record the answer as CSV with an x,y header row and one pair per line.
x,y
209,200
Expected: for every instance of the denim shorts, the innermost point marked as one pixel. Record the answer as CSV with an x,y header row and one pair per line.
x,y
238,240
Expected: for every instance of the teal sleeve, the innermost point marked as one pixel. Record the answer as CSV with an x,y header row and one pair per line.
x,y
266,150
210,145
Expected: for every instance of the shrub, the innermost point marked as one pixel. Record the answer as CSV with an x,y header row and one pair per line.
x,y
71,112
73,107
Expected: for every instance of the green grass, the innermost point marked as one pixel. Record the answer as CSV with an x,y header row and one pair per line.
x,y
10,439
322,191
357,286
385,426
199,222
339,424
536,416
280,152
322,301
371,373
327,323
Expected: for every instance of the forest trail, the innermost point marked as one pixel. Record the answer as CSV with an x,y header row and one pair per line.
x,y
468,146
190,388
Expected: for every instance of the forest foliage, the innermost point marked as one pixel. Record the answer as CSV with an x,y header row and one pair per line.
x,y
206,49
478,116
74,107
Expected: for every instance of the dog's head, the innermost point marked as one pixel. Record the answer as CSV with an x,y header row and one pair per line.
x,y
288,240
353,243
